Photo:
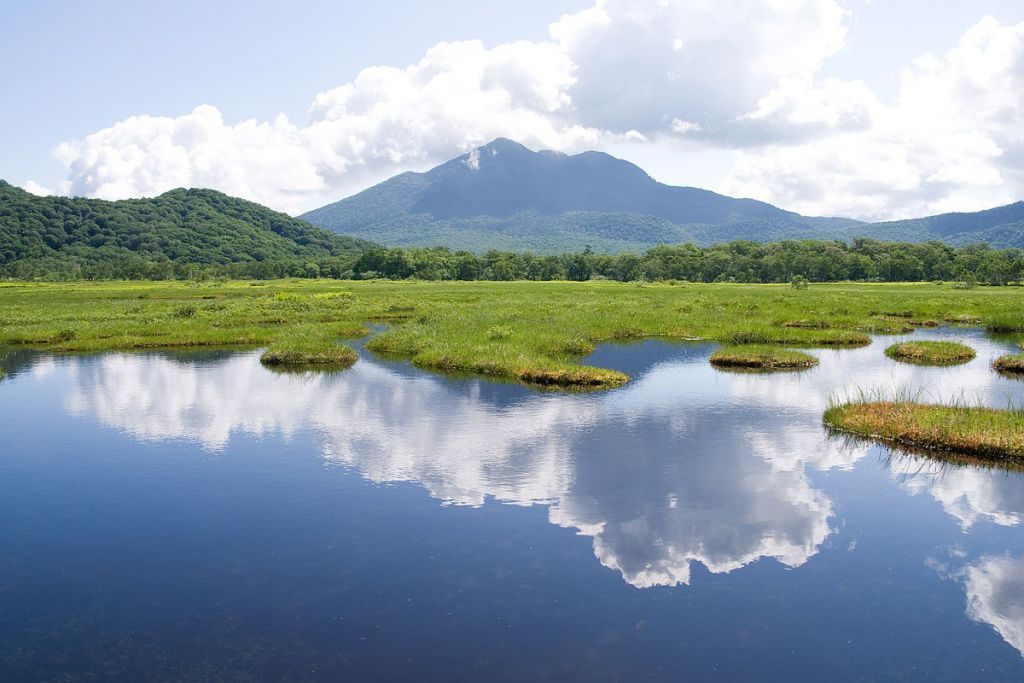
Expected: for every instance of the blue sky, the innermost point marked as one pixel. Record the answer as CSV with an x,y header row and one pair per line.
x,y
873,109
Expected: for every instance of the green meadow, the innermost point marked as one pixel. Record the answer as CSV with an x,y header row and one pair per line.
x,y
535,332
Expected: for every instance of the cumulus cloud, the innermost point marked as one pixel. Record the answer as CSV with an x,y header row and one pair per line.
x,y
721,74
699,65
952,140
458,96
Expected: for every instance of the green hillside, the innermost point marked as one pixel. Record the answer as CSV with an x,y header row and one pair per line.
x,y
199,227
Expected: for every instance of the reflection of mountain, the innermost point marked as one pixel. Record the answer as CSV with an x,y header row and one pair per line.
x,y
995,595
660,474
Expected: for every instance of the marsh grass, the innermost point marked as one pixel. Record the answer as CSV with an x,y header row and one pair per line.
x,y
536,332
761,357
1009,322
931,352
946,428
1010,365
308,346
963,319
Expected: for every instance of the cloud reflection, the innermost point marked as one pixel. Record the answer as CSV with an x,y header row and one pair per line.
x,y
682,465
995,595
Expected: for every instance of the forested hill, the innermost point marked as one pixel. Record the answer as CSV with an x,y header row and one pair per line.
x,y
1000,227
42,236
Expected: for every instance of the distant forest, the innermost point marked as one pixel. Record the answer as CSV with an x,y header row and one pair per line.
x,y
738,261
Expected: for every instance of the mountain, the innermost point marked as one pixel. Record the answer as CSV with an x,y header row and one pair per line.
x,y
180,226
505,196
1000,227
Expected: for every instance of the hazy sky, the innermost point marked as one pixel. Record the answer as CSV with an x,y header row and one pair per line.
x,y
873,109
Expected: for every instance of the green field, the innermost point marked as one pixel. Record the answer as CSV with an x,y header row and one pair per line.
x,y
532,331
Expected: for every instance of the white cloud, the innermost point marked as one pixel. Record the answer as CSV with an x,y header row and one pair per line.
x,y
721,74
37,189
645,65
458,96
953,140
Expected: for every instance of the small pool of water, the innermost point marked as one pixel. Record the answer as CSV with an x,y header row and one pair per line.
x,y
195,516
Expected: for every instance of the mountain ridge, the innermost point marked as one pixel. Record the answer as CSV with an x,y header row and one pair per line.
x,y
505,196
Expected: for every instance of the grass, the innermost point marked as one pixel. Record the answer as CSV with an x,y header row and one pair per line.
x,y
761,357
536,332
309,346
1009,322
1010,365
931,352
958,429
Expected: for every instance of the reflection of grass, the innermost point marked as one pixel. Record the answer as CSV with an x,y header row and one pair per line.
x,y
951,428
1010,365
762,357
904,457
931,352
527,331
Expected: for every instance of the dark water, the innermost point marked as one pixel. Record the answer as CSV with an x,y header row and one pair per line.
x,y
196,517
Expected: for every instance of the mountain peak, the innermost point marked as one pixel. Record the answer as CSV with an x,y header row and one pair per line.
x,y
503,195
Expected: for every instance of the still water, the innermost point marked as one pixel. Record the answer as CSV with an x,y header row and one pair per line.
x,y
197,517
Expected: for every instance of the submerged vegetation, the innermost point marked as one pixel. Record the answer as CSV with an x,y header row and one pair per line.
x,y
531,332
959,429
931,352
756,356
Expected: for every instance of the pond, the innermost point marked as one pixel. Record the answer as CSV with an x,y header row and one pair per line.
x,y
194,516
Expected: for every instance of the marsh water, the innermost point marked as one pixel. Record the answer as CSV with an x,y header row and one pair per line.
x,y
198,517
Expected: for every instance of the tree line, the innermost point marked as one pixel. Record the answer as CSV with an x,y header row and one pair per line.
x,y
738,261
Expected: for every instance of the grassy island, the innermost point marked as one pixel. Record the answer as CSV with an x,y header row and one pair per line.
x,y
309,347
1010,365
759,357
931,352
975,431
535,332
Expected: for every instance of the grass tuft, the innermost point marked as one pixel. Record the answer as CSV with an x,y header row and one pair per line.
x,y
931,352
1010,365
308,347
761,357
963,429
